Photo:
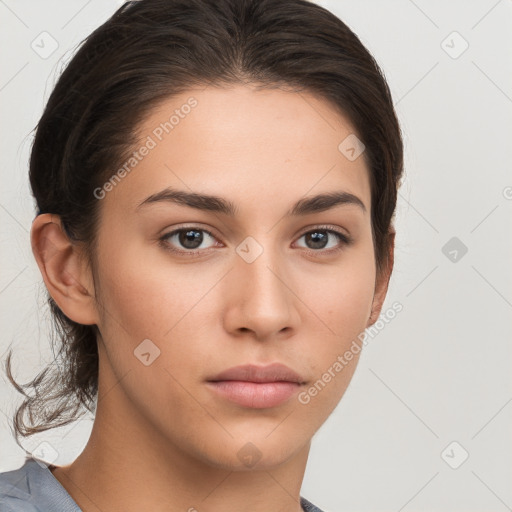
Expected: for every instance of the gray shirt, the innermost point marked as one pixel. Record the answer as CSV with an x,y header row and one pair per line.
x,y
33,488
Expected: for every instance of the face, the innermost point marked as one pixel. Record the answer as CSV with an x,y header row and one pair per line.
x,y
190,289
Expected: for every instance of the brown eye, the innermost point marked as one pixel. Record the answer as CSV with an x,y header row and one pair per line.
x,y
186,240
321,239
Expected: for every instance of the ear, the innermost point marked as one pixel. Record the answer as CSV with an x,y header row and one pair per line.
x,y
382,281
64,269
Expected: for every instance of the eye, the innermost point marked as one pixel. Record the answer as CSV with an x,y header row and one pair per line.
x,y
322,239
189,239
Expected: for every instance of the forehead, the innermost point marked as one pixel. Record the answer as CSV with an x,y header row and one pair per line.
x,y
245,143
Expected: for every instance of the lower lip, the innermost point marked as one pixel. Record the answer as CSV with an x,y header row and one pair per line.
x,y
258,395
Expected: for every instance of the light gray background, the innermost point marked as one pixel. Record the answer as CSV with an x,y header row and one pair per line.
x,y
440,371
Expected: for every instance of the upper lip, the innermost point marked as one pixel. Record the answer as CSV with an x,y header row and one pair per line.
x,y
275,372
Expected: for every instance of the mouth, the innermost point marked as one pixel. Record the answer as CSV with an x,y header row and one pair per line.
x,y
257,387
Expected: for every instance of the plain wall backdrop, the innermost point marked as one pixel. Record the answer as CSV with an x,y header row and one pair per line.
x,y
425,424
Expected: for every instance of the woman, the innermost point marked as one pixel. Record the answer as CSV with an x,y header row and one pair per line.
x,y
215,184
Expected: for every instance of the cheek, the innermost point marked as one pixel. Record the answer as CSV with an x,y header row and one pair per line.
x,y
341,305
144,296
343,293
145,303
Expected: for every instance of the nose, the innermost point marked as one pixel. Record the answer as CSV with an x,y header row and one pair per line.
x,y
260,298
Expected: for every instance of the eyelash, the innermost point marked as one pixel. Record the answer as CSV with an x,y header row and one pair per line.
x,y
343,239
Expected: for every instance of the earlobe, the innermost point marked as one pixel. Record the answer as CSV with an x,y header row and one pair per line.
x,y
64,269
382,281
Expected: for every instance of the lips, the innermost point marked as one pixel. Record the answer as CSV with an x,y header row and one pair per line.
x,y
275,372
256,387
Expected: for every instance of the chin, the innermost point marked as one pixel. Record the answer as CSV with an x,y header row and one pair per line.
x,y
252,455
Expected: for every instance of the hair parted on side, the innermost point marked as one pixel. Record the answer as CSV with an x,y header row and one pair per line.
x,y
148,52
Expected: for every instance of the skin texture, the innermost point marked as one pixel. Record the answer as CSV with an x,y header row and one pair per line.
x,y
162,440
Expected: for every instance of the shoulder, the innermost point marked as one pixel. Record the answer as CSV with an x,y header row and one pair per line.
x,y
15,492
33,488
307,506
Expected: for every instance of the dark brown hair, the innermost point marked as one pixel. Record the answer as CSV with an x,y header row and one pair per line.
x,y
148,51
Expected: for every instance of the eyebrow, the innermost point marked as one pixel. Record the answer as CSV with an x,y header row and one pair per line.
x,y
305,206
